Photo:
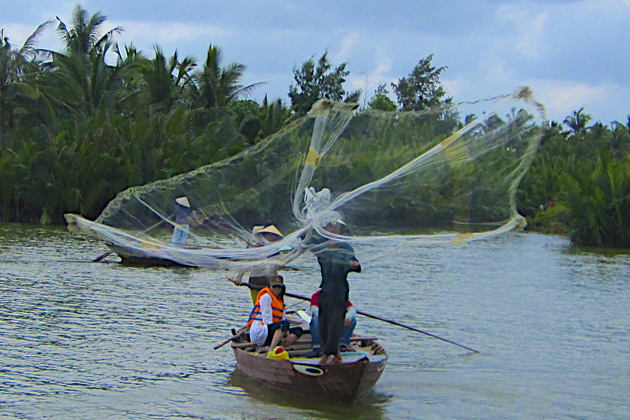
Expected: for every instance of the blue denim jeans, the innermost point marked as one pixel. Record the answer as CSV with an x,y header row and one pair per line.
x,y
317,336
180,235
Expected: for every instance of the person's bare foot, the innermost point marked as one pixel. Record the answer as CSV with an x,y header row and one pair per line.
x,y
323,360
337,360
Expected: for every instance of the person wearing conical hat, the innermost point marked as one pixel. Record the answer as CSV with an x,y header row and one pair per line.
x,y
259,275
182,214
266,234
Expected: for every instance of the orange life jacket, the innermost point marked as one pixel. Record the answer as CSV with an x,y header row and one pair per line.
x,y
277,308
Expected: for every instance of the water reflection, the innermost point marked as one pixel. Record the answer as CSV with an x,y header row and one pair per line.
x,y
371,407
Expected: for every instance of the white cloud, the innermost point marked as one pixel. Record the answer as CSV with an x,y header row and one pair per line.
x,y
495,72
528,28
378,76
166,33
454,87
605,102
565,99
604,6
347,45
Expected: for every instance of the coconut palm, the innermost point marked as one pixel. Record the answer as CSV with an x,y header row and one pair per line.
x,y
218,86
19,69
85,85
163,87
273,116
84,36
82,80
577,122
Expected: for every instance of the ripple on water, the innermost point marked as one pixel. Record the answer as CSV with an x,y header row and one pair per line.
x,y
91,340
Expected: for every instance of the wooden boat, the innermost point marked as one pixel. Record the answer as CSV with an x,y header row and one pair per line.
x,y
346,382
134,249
148,256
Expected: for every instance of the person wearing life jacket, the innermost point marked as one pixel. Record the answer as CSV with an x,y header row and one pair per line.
x,y
267,322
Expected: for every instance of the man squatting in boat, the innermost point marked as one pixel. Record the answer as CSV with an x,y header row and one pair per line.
x,y
259,275
336,260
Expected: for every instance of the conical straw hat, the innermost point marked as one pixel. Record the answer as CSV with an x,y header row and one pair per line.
x,y
270,229
183,201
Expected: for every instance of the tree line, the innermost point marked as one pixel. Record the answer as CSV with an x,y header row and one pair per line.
x,y
75,130
579,182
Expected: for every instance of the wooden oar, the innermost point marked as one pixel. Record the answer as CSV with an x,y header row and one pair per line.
x,y
389,321
238,334
99,259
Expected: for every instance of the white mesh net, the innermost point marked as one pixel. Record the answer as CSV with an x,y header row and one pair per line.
x,y
422,176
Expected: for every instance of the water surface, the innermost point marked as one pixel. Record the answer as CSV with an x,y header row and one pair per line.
x,y
85,340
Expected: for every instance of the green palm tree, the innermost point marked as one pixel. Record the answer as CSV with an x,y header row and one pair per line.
x,y
273,116
19,72
577,122
85,85
218,86
84,36
82,79
162,86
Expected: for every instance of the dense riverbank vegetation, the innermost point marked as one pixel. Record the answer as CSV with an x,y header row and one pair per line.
x,y
77,128
579,183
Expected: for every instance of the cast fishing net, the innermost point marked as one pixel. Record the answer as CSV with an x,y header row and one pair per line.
x,y
446,174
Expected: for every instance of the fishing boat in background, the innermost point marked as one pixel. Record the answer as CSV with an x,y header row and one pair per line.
x,y
147,254
350,381
133,249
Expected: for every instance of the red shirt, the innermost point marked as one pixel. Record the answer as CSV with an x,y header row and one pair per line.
x,y
315,299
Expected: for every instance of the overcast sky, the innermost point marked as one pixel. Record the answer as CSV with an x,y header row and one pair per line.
x,y
573,54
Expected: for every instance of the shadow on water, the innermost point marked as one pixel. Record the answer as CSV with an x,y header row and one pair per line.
x,y
371,407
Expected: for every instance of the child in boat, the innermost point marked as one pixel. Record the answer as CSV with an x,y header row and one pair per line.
x,y
349,324
267,322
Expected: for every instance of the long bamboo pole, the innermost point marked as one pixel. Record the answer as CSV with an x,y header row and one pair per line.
x,y
389,321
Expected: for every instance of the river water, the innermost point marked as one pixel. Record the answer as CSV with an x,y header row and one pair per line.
x,y
81,340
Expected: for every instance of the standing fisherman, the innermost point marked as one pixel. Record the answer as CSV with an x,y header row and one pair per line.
x,y
336,260
182,214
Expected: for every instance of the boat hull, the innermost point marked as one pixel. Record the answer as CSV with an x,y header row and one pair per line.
x,y
136,257
346,382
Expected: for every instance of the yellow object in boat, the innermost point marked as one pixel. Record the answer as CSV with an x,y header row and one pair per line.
x,y
278,353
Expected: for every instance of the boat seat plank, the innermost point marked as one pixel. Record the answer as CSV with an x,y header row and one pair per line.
x,y
299,345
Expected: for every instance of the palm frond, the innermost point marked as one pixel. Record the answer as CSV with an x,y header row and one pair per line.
x,y
28,49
